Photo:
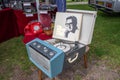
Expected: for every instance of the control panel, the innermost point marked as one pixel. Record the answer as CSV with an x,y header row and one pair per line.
x,y
42,49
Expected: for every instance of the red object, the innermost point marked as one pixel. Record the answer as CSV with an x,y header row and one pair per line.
x,y
8,25
34,28
29,36
109,5
43,36
31,33
45,20
12,24
22,20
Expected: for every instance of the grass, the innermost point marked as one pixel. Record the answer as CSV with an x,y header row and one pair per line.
x,y
12,54
106,39
105,46
76,1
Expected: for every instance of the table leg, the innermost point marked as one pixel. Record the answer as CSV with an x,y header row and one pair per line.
x,y
85,60
39,75
53,78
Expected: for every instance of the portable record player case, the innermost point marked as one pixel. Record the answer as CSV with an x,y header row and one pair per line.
x,y
77,46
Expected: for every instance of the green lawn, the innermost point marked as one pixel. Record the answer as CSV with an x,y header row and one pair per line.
x,y
13,54
105,46
76,0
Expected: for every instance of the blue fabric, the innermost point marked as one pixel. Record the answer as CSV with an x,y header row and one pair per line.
x,y
61,5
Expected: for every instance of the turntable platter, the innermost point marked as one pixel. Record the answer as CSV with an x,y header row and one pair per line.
x,y
62,46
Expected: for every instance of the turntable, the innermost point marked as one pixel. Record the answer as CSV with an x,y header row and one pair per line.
x,y
72,50
72,33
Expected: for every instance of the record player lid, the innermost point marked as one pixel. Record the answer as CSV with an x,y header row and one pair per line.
x,y
88,22
85,29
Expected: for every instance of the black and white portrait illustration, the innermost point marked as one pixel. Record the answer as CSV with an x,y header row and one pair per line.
x,y
67,26
70,25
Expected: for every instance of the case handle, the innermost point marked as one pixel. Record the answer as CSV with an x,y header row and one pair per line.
x,y
72,60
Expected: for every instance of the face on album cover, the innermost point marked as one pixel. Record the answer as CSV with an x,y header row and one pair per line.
x,y
67,26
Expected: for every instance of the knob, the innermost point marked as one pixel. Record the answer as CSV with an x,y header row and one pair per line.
x,y
34,43
51,53
45,49
38,46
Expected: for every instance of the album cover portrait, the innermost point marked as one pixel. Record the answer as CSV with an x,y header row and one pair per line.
x,y
67,26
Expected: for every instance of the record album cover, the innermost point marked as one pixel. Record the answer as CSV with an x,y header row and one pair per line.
x,y
67,26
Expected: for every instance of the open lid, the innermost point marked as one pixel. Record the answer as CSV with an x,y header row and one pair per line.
x,y
67,26
88,22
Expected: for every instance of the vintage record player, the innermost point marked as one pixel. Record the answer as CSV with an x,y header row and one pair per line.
x,y
74,44
72,33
